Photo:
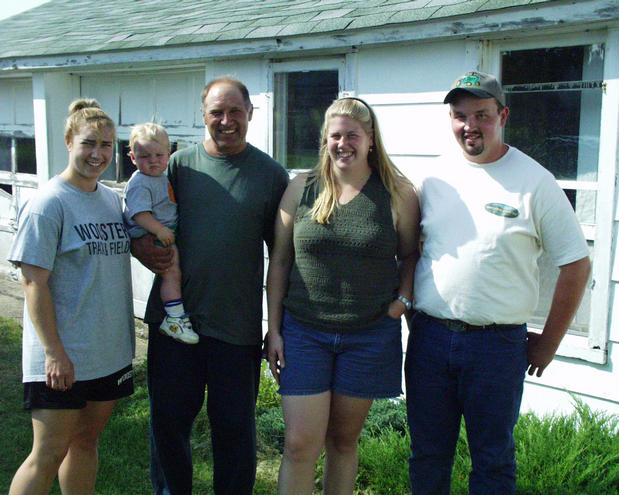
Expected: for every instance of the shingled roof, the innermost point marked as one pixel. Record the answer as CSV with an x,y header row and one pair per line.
x,y
99,26
70,26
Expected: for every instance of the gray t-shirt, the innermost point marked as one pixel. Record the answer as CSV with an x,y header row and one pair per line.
x,y
226,211
81,238
153,194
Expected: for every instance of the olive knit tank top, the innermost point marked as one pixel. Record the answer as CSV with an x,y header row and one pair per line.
x,y
344,274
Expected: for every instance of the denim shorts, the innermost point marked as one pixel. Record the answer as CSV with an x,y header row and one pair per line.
x,y
37,395
364,364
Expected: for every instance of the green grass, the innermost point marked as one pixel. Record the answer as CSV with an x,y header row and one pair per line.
x,y
16,431
576,454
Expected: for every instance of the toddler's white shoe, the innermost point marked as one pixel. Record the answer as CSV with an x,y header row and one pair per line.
x,y
179,329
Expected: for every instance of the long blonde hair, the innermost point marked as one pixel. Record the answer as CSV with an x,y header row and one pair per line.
x,y
378,160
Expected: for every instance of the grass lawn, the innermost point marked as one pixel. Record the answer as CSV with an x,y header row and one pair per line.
x,y
576,454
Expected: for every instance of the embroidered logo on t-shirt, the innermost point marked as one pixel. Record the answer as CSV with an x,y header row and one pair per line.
x,y
502,210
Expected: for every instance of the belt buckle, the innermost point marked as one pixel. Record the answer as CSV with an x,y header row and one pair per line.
x,y
459,326
455,325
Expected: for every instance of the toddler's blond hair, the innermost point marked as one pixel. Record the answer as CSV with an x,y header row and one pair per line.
x,y
150,132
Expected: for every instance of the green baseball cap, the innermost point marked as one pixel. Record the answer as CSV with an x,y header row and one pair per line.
x,y
479,84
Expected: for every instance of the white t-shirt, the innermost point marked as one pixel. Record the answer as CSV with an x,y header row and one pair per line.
x,y
81,238
485,226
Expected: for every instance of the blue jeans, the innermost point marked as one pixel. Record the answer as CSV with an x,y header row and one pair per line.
x,y
478,374
177,377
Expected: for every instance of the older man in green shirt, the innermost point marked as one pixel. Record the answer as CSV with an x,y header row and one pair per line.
x,y
227,192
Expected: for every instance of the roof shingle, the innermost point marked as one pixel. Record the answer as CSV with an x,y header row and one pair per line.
x,y
67,26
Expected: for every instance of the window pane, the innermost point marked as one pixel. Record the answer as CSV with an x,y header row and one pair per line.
x,y
110,172
583,203
548,126
555,99
543,64
548,278
26,156
301,99
126,167
5,153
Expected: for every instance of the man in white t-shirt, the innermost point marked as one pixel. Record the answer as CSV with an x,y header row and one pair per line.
x,y
487,215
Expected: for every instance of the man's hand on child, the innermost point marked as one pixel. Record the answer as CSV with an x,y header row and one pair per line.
x,y
156,259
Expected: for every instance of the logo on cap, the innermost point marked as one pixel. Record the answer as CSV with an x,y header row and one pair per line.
x,y
479,84
470,79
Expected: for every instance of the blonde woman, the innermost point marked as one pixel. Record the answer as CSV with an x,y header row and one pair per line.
x,y
340,278
78,341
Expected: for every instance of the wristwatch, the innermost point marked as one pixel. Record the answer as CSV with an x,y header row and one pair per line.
x,y
406,302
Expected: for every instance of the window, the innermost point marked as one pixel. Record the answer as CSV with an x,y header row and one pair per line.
x,y
5,153
17,151
17,168
121,168
26,162
555,96
301,98
17,154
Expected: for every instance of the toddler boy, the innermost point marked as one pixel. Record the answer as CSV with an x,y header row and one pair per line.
x,y
150,207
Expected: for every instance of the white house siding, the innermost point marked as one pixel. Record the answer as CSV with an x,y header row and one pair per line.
x,y
16,115
404,82
597,385
16,103
407,96
169,97
253,73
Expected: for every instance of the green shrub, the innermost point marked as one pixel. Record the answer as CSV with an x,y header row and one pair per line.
x,y
383,462
268,403
385,414
268,397
270,431
462,465
201,437
266,476
575,454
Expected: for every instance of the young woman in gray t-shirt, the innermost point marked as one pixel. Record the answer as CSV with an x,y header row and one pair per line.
x,y
78,340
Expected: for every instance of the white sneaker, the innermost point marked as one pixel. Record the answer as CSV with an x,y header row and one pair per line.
x,y
179,329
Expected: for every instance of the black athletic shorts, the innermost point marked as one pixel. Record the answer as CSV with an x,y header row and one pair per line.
x,y
37,395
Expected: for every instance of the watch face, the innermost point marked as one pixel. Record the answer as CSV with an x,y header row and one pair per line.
x,y
406,302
